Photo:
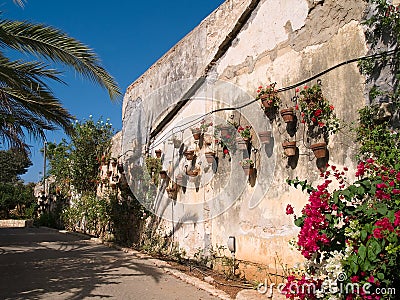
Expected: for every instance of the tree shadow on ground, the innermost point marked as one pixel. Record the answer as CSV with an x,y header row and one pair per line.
x,y
47,263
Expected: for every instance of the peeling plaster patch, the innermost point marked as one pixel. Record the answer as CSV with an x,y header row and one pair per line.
x,y
325,20
271,20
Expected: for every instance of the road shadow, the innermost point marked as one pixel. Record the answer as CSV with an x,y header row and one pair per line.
x,y
38,262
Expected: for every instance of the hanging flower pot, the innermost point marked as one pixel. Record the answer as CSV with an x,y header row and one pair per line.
x,y
289,148
177,143
163,174
172,192
210,157
248,166
158,153
265,136
189,154
242,143
319,149
113,162
196,132
287,114
224,130
266,101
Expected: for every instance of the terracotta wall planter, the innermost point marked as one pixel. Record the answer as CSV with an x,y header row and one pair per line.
x,y
242,143
248,170
224,130
163,174
265,101
210,157
265,136
287,114
319,149
196,134
158,153
189,154
177,143
289,148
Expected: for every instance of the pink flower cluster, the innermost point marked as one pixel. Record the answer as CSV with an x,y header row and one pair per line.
x,y
310,236
390,184
384,226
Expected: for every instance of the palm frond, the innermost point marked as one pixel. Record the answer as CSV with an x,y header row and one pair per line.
x,y
20,3
51,43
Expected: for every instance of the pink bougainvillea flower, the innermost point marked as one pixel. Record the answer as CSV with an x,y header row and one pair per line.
x,y
397,219
355,278
305,87
297,107
226,151
289,209
331,107
297,90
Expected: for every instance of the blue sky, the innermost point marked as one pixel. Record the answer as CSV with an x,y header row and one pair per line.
x,y
128,36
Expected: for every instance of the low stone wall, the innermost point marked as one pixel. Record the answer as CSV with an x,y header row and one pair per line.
x,y
15,223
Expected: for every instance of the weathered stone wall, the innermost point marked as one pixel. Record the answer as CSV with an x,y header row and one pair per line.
x,y
238,47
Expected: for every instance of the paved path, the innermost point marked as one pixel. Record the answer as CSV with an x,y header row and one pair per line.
x,y
39,263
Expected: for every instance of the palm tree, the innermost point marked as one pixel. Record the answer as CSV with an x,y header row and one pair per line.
x,y
27,105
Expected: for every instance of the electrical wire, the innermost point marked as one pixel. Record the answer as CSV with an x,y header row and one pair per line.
x,y
196,120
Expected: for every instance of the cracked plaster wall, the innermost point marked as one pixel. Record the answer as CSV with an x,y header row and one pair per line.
x,y
285,42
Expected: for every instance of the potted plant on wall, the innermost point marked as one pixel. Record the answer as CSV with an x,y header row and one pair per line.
x,y
318,115
247,165
244,137
158,153
210,156
289,148
189,154
196,132
265,136
287,114
268,96
177,142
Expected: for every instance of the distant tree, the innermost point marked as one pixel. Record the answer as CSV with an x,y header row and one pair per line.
x,y
13,163
75,164
27,104
16,200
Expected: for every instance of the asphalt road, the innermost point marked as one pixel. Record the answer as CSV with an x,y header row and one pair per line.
x,y
39,263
